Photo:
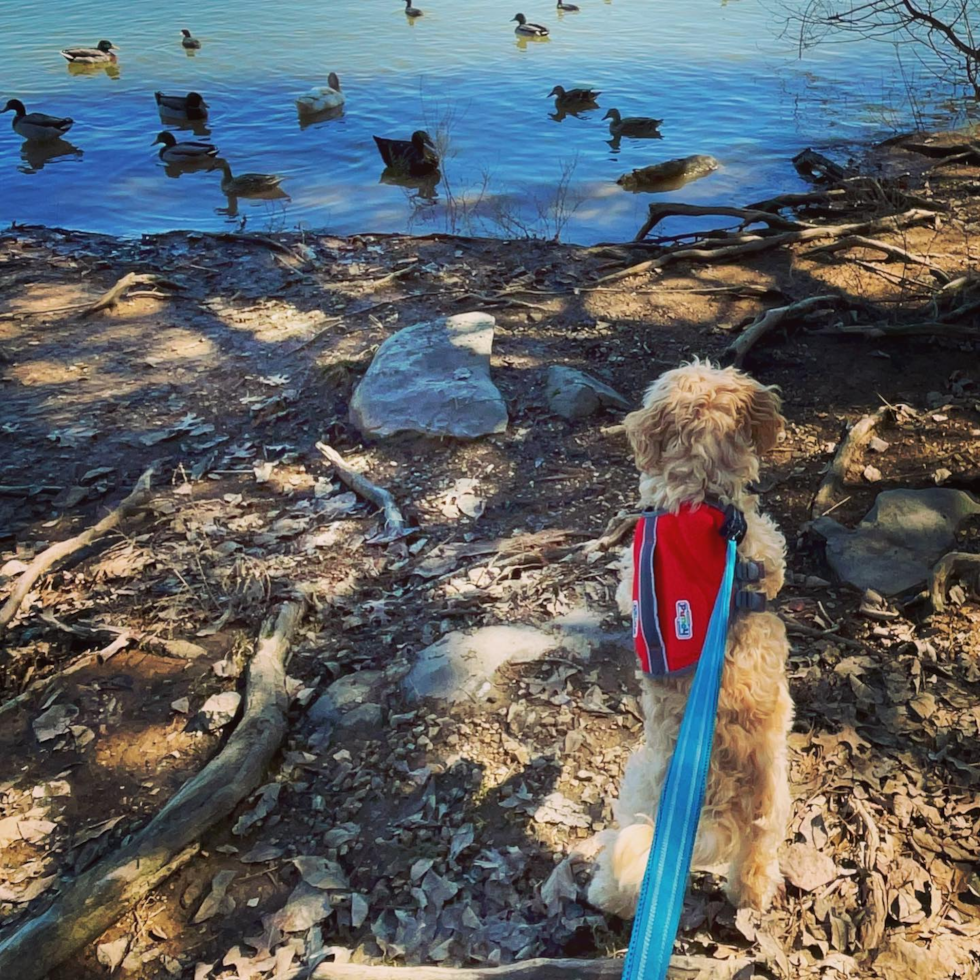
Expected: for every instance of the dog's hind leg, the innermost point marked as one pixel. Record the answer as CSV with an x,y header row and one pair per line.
x,y
754,875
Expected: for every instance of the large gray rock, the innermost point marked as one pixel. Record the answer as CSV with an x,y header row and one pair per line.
x,y
573,394
461,666
432,378
898,541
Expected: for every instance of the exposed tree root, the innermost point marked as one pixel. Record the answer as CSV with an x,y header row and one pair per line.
x,y
924,328
816,167
892,251
851,446
134,503
950,153
748,216
99,896
952,564
750,245
608,968
395,525
739,348
113,295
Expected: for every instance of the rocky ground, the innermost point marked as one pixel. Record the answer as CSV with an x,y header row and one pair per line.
x,y
454,828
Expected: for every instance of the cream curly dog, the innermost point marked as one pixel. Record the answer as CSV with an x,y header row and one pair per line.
x,y
699,435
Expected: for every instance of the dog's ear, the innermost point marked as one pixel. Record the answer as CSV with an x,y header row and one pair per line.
x,y
646,429
763,417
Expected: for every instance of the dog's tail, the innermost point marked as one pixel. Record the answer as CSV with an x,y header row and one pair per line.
x,y
630,854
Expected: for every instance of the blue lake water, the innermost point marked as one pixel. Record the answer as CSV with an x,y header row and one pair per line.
x,y
722,75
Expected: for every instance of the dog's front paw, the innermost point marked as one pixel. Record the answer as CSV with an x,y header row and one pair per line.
x,y
756,888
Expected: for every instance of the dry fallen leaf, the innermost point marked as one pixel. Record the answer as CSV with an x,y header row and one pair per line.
x,y
806,867
110,955
217,899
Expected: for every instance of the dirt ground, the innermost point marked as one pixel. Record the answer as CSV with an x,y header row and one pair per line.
x,y
434,819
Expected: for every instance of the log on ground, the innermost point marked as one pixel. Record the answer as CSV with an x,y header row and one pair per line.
x,y
98,897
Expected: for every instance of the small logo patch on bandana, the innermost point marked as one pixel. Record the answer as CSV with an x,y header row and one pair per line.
x,y
683,624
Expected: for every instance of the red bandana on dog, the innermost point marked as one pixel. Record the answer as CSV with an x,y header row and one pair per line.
x,y
678,563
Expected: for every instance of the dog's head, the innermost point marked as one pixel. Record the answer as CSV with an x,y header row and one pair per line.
x,y
706,427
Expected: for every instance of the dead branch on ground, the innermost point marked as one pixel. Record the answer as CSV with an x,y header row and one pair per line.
x,y
98,897
765,323
395,525
811,165
851,446
113,295
607,968
753,244
134,503
617,530
747,216
949,565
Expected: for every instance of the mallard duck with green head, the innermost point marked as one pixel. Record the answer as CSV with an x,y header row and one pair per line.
x,y
37,126
191,107
104,53
526,29
188,151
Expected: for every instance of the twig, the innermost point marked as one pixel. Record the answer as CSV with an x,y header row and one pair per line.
x,y
395,525
316,335
113,295
812,633
739,348
99,896
854,443
135,502
617,530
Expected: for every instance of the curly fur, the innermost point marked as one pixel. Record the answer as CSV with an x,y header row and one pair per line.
x,y
699,434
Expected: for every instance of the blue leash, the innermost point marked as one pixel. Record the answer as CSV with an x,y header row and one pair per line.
x,y
661,900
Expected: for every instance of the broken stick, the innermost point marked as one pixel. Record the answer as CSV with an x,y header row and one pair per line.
x,y
395,525
135,502
891,251
739,348
851,446
607,968
947,566
112,296
98,897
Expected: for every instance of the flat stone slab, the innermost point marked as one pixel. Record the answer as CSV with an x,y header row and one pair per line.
x,y
574,394
898,541
462,664
432,378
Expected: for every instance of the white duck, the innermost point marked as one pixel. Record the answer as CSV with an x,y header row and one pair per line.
x,y
190,151
524,29
36,125
322,99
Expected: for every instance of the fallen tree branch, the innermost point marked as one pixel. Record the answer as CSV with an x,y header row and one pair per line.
x,y
135,502
739,348
892,251
98,897
947,566
814,166
395,525
607,968
959,151
748,216
617,530
113,295
751,247
851,446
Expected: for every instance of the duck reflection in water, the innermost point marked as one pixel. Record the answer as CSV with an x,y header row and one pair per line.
x,y
37,155
308,119
423,189
110,69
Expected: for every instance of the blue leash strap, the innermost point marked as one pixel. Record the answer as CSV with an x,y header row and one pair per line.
x,y
661,898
